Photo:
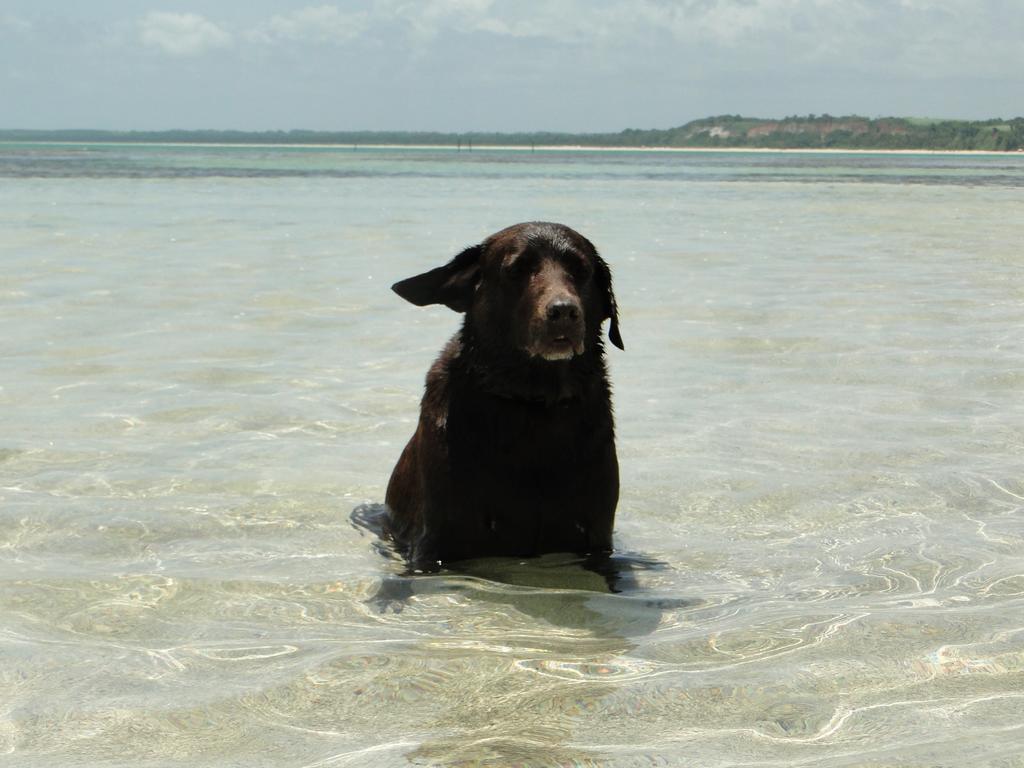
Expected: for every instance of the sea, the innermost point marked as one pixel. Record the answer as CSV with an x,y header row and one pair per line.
x,y
820,424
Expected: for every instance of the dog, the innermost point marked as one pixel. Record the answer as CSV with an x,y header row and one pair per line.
x,y
514,452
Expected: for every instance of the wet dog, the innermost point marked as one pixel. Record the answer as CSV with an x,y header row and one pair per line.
x,y
514,453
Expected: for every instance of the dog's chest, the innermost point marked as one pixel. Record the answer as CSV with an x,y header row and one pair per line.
x,y
520,475
507,438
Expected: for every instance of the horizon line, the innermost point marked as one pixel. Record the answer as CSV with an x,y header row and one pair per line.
x,y
540,131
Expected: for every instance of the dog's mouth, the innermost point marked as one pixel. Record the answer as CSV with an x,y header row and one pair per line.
x,y
558,348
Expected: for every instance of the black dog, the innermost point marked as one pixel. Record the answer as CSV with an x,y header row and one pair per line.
x,y
514,454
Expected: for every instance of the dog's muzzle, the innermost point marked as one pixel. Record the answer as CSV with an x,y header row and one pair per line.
x,y
559,333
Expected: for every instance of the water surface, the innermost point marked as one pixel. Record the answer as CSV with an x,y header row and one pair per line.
x,y
821,435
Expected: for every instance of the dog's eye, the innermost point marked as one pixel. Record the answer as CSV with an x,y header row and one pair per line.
x,y
519,268
581,271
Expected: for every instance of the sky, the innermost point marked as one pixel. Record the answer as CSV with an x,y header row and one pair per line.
x,y
500,65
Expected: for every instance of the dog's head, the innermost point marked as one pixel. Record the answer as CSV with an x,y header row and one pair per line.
x,y
538,286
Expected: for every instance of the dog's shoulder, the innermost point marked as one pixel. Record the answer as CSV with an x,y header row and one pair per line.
x,y
439,382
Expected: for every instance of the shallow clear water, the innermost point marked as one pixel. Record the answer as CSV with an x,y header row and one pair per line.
x,y
821,433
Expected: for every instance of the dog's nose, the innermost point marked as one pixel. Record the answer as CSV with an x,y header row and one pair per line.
x,y
563,310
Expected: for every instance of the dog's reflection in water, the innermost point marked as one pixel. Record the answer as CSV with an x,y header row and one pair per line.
x,y
590,591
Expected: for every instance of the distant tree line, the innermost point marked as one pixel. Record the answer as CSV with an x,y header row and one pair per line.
x,y
828,132
795,132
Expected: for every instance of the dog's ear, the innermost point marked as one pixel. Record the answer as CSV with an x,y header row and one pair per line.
x,y
603,277
452,285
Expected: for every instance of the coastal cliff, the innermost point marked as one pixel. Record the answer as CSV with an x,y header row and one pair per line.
x,y
851,132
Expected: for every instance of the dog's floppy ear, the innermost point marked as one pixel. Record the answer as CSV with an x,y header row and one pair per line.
x,y
603,277
452,285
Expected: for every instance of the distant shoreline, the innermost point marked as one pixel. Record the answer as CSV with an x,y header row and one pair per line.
x,y
851,133
350,147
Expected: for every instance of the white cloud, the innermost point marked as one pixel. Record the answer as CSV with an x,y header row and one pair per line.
x,y
910,37
14,23
182,34
425,19
319,24
617,23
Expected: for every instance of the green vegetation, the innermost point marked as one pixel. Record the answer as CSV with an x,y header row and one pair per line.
x,y
851,132
810,132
